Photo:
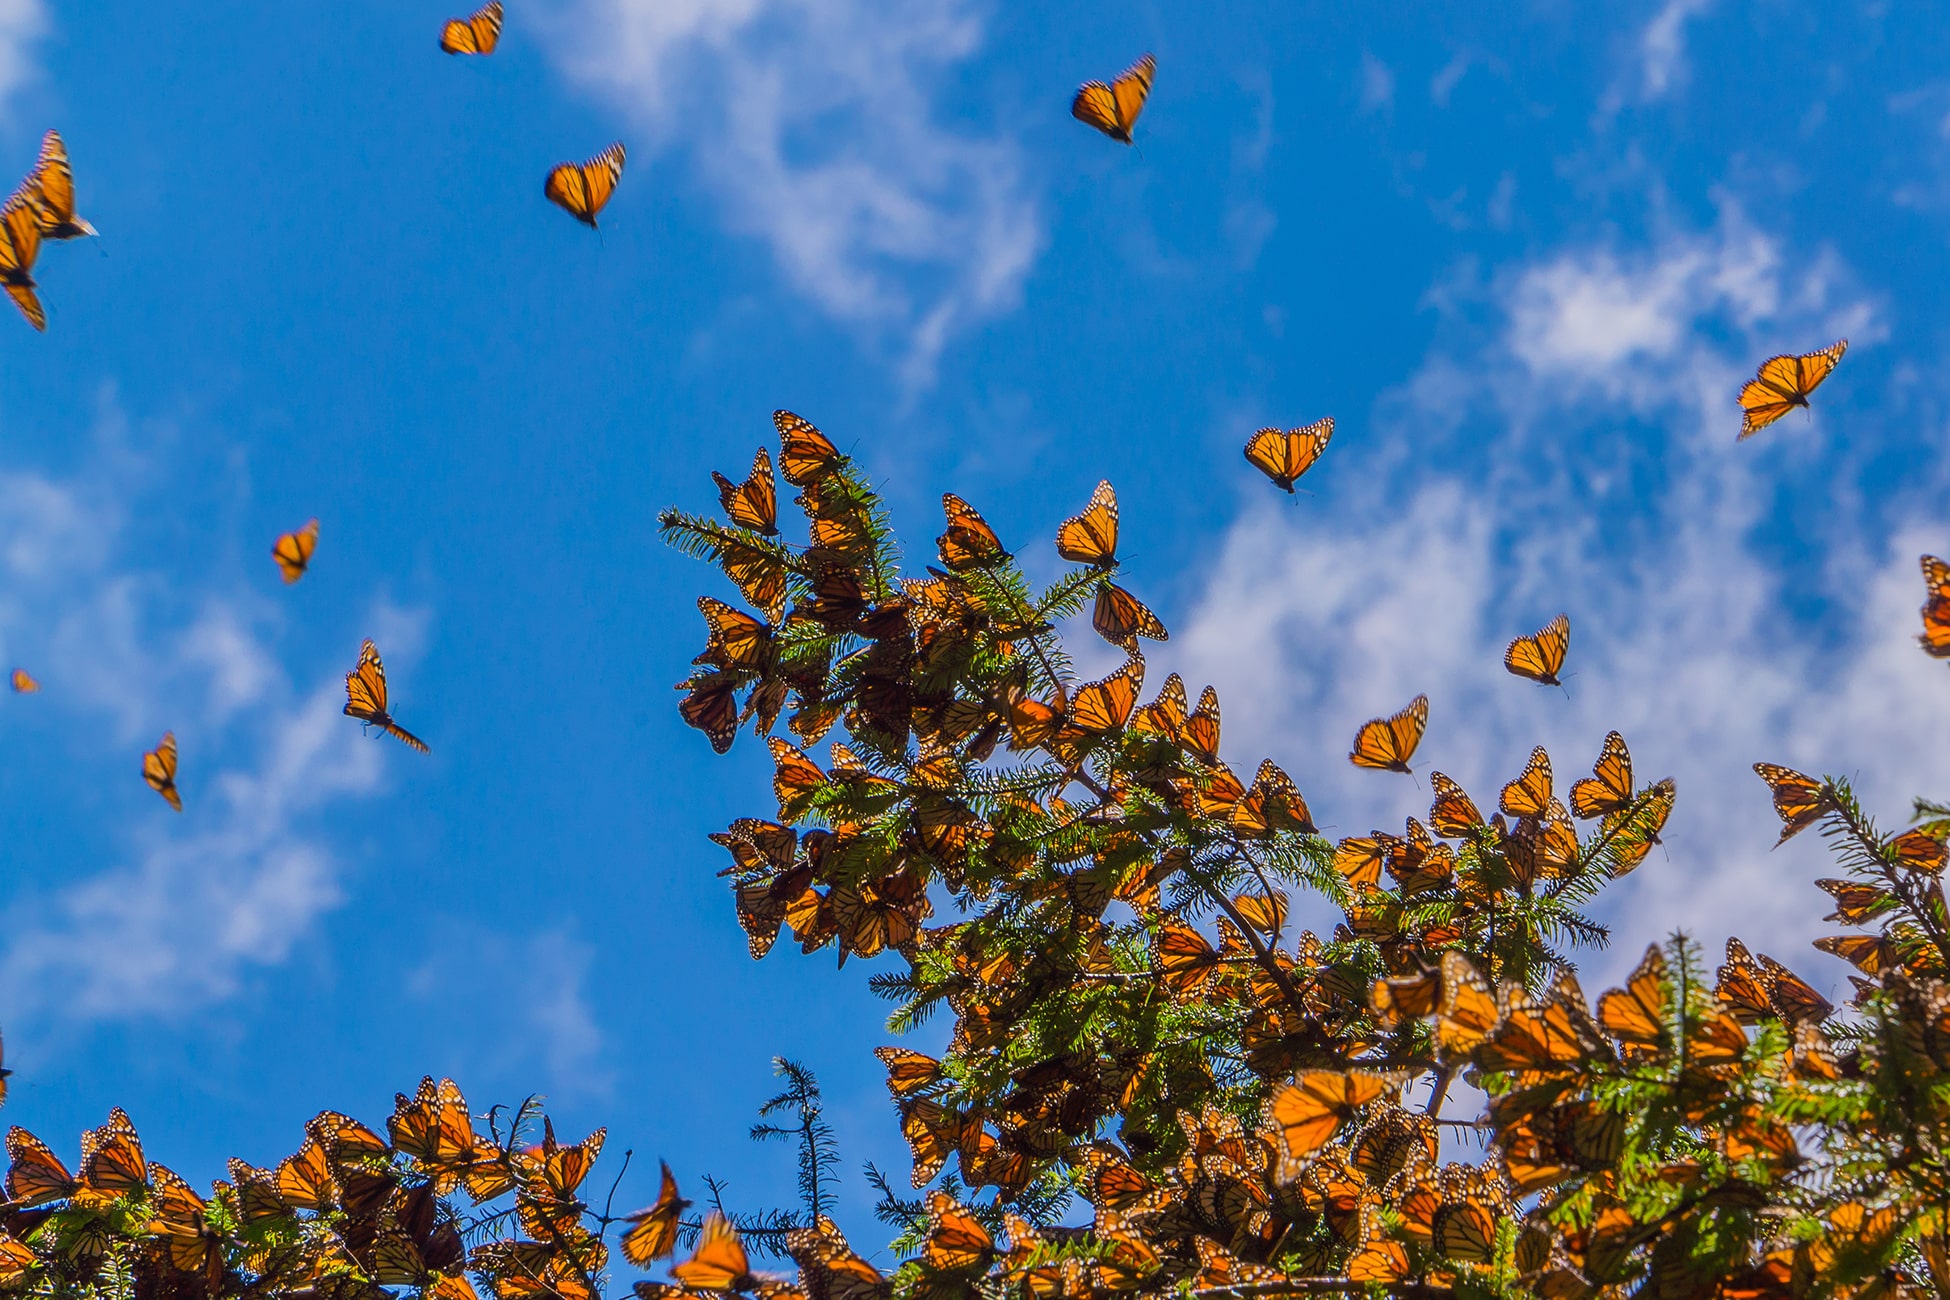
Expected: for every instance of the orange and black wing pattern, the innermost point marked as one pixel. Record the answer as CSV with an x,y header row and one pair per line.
x,y
1540,655
1784,383
20,244
582,189
753,504
293,551
365,697
1388,743
1113,108
159,770
50,188
1936,608
1091,537
478,33
1283,455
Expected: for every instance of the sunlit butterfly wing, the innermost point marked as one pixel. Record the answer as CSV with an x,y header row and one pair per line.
x,y
652,1233
366,698
1636,1015
1609,787
582,189
1782,384
1530,794
720,1262
478,33
1454,814
1283,455
111,1158
159,770
1799,800
969,542
1105,705
24,683
1091,537
35,1175
1309,1111
1388,743
1936,608
1114,108
20,244
51,187
805,453
1540,655
754,503
1120,617
293,551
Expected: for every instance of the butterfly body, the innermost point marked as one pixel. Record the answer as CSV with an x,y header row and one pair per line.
x,y
1113,107
293,551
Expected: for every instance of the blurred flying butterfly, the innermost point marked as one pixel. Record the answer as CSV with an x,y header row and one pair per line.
x,y
719,1263
23,683
1308,1111
1784,383
1114,108
1091,537
1283,455
1540,655
293,551
1936,608
753,504
582,189
478,33
365,697
1388,743
20,244
159,770
50,189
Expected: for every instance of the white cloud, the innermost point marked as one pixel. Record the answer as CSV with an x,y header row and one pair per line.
x,y
1662,47
22,23
1609,486
815,124
1377,85
124,653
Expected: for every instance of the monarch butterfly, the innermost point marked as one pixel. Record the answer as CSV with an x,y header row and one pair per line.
x,y
15,1259
969,542
759,574
1782,384
35,1174
178,1220
804,452
1609,787
1530,794
1105,705
159,770
1119,617
1453,815
50,189
753,504
23,683
1468,1011
1273,803
1799,800
111,1158
1308,1111
1541,654
365,697
1114,108
293,551
1185,961
1283,455
1636,1014
908,1071
829,1268
561,1169
581,189
956,1238
304,1178
1465,1230
478,33
1200,734
1388,743
1756,988
1936,609
1091,537
20,244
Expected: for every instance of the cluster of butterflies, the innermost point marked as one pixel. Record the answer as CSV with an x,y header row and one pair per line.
x,y
366,696
41,208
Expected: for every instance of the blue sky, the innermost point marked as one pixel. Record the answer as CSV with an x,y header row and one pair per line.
x,y
1524,257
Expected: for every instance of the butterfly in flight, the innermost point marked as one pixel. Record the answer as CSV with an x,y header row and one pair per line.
x,y
50,189
1936,609
1388,743
1540,655
1784,383
20,244
1283,455
293,551
159,770
581,189
24,683
478,33
365,697
1114,108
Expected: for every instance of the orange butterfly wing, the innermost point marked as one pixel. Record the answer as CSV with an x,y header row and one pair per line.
x,y
293,551
365,697
753,504
20,244
1091,537
1782,384
24,683
720,1262
1283,455
1114,108
1119,617
1541,655
1388,743
1530,794
1936,609
478,33
1609,787
159,770
582,189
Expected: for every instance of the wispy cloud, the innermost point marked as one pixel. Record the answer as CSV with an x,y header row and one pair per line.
x,y
1657,65
190,905
22,24
815,124
1573,450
